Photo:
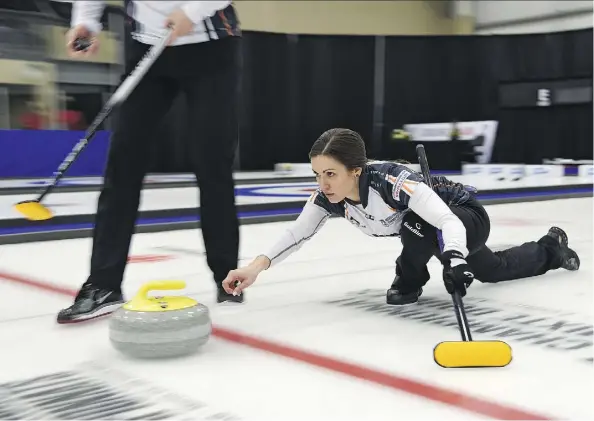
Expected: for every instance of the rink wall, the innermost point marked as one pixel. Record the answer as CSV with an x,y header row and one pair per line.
x,y
517,172
535,184
496,172
38,153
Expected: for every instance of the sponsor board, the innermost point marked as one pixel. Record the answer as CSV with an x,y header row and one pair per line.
x,y
512,172
586,171
468,131
500,172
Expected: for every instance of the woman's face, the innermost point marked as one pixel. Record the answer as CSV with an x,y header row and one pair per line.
x,y
335,180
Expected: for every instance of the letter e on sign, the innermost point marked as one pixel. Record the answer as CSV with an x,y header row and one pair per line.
x,y
543,98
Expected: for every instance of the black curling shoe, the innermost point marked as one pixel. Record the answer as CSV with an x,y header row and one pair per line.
x,y
569,258
91,302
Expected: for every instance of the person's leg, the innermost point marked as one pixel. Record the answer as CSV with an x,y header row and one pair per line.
x,y
419,244
526,260
532,258
529,259
213,96
136,121
419,241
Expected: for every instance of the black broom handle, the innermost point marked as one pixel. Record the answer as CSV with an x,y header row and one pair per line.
x,y
119,96
458,303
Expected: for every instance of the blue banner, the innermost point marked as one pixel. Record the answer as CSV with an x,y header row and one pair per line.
x,y
38,153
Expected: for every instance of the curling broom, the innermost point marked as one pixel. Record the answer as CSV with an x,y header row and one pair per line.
x,y
34,210
466,353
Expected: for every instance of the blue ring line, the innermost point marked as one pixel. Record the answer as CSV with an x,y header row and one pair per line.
x,y
262,213
255,191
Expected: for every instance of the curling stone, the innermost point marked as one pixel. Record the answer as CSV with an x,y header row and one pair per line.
x,y
158,327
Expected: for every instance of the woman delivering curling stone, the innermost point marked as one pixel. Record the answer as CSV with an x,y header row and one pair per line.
x,y
388,199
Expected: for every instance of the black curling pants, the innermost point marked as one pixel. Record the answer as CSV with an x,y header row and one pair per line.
x,y
529,259
208,75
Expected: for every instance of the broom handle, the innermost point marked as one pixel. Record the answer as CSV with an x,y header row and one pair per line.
x,y
119,96
456,298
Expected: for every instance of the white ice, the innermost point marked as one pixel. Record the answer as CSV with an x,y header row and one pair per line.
x,y
291,305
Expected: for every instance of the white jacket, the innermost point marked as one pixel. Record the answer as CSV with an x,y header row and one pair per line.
x,y
150,18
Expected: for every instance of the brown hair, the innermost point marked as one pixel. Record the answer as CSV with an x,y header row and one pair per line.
x,y
344,145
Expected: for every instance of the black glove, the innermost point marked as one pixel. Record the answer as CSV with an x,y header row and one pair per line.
x,y
457,275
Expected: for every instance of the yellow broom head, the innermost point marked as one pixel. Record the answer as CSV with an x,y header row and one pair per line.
x,y
33,210
468,354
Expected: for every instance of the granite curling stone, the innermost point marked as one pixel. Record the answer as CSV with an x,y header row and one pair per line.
x,y
160,327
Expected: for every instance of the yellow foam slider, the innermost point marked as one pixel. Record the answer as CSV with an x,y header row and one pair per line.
x,y
472,354
33,210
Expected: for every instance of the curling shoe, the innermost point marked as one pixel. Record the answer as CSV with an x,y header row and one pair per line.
x,y
569,258
91,302
559,235
395,297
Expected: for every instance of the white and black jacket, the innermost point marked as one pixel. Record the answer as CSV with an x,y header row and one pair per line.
x,y
212,19
387,192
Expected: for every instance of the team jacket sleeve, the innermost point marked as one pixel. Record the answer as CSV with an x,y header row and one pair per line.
x,y
88,13
197,11
312,218
408,190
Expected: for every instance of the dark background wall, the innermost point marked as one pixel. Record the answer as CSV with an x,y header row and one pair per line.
x,y
310,66
295,87
436,79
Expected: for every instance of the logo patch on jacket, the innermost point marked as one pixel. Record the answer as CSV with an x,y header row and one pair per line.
x,y
398,185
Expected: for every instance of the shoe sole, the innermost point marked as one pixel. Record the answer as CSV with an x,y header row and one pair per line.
x,y
572,264
406,304
102,311
402,305
563,240
230,303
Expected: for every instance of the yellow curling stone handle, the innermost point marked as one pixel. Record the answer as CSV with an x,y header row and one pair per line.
x,y
142,302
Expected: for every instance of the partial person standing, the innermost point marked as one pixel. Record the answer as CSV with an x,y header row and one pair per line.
x,y
202,60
